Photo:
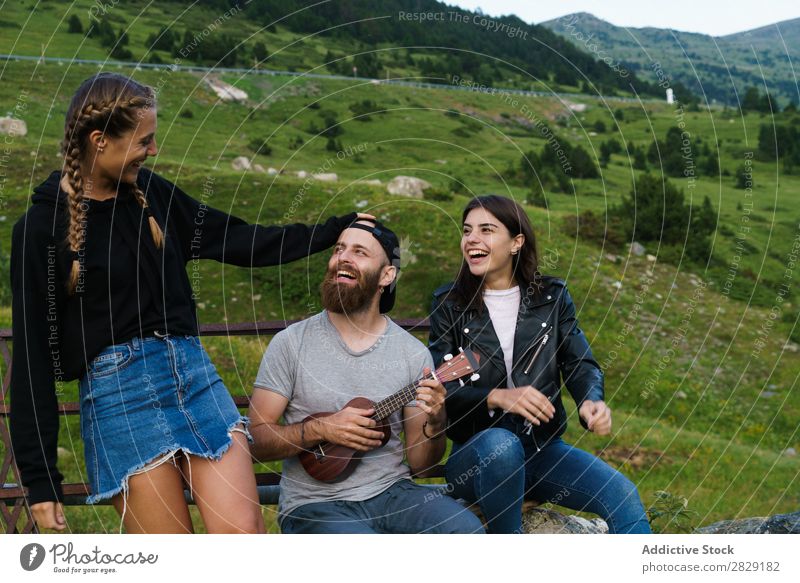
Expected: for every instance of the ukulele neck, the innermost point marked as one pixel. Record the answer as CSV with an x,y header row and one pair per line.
x,y
397,401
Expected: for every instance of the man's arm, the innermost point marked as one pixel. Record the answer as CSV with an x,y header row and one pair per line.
x,y
272,441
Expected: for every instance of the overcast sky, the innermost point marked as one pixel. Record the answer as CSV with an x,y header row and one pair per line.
x,y
715,17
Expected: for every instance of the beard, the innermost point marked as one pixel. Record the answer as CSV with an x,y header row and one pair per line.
x,y
349,299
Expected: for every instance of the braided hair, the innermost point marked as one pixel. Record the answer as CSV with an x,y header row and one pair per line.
x,y
112,104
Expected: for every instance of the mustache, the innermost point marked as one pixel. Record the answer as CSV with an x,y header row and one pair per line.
x,y
331,274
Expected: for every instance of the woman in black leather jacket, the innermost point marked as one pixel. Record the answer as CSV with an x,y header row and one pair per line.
x,y
506,426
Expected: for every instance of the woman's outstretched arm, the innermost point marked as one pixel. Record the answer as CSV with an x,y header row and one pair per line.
x,y
209,233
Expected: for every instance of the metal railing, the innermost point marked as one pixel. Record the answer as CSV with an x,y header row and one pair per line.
x,y
13,503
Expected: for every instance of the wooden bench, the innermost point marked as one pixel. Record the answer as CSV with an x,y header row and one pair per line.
x,y
13,506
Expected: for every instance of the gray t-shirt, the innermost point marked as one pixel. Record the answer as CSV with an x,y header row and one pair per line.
x,y
310,364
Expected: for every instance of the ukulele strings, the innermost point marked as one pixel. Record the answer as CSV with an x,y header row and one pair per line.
x,y
402,397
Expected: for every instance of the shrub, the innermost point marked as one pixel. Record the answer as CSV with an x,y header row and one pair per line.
x,y
438,194
74,24
536,197
655,211
260,146
673,511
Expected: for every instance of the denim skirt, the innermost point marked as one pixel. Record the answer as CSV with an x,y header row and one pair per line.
x,y
149,398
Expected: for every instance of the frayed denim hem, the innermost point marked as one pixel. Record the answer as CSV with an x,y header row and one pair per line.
x,y
241,425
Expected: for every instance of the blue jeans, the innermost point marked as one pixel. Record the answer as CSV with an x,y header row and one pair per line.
x,y
497,470
403,508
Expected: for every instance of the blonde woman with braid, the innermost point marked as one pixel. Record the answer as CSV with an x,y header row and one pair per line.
x,y
101,294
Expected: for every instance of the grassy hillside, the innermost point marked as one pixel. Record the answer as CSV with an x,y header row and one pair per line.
x,y
381,39
702,409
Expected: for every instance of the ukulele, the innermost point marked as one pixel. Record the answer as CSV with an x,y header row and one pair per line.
x,y
330,462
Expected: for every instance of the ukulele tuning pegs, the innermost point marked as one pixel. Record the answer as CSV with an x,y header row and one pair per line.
x,y
475,377
448,357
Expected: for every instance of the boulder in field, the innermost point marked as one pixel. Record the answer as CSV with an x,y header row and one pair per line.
x,y
12,126
241,163
325,177
407,186
637,249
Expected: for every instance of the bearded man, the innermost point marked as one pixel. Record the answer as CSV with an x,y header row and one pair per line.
x,y
352,349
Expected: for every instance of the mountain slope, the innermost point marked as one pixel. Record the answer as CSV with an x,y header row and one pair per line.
x,y
721,68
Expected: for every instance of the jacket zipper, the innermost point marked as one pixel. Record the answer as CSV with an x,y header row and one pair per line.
x,y
543,341
528,424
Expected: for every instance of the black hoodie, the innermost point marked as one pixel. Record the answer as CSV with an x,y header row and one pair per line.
x,y
128,288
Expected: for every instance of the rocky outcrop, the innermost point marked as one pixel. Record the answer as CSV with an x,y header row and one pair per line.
x,y
546,521
778,524
226,91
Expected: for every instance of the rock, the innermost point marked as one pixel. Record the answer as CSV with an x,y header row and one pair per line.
x,y
611,257
767,394
13,127
617,284
361,204
778,524
681,395
225,91
545,521
302,174
407,186
637,249
791,347
259,168
372,182
241,163
62,452
272,171
441,161
325,177
790,452
651,258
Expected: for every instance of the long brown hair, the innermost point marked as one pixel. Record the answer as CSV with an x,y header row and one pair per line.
x,y
112,104
468,288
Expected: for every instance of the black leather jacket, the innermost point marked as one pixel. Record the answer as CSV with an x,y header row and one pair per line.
x,y
565,356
